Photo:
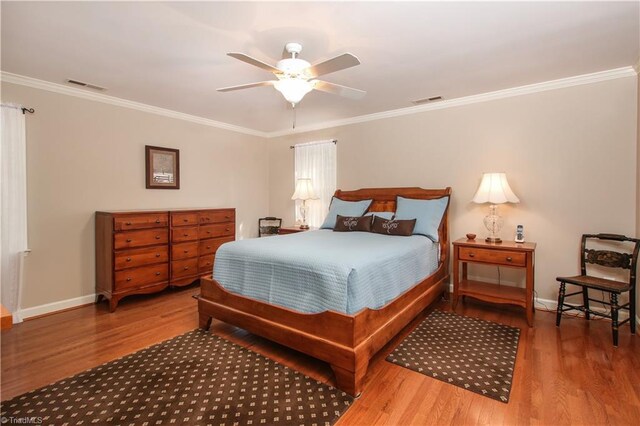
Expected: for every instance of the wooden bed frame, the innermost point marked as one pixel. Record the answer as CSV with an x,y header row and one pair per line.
x,y
346,342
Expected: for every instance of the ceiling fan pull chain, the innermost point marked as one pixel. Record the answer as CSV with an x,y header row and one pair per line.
x,y
294,114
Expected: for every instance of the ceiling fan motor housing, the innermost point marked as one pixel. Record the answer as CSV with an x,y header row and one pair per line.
x,y
291,66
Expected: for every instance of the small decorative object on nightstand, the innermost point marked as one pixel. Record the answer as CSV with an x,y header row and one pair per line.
x,y
304,191
293,230
494,189
508,253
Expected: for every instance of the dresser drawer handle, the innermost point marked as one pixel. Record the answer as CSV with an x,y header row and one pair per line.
x,y
185,235
157,254
472,255
227,217
509,259
129,240
128,223
128,278
208,232
157,237
185,220
157,273
157,220
186,251
208,247
227,228
208,263
186,267
128,259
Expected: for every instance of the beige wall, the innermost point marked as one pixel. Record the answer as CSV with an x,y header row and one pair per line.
x,y
85,156
570,155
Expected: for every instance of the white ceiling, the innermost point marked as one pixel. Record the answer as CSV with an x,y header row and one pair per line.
x,y
172,55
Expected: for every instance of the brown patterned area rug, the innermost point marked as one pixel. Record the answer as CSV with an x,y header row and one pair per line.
x,y
473,354
193,379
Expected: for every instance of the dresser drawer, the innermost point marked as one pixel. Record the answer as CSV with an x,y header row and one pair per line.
x,y
187,233
138,277
140,221
149,237
218,230
184,268
205,263
184,250
184,219
210,246
141,257
503,257
217,216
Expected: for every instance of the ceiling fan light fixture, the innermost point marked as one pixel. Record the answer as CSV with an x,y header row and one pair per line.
x,y
294,89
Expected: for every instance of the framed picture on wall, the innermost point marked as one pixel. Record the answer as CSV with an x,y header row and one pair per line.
x,y
162,167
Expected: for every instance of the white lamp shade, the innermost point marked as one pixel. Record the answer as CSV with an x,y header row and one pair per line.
x,y
293,89
495,189
304,190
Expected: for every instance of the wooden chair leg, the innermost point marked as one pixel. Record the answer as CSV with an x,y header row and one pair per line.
x,y
560,303
585,302
614,317
632,310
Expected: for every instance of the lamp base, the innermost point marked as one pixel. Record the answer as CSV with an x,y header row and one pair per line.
x,y
304,226
494,240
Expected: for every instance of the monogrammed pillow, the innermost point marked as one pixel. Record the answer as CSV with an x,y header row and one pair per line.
x,y
353,223
393,227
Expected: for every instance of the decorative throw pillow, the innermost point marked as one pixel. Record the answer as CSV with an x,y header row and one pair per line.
x,y
344,208
428,214
353,223
393,227
384,215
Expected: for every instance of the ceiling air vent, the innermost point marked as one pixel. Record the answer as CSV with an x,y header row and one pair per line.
x,y
425,100
86,85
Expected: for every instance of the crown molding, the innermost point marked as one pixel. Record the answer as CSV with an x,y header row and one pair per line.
x,y
562,83
467,100
112,100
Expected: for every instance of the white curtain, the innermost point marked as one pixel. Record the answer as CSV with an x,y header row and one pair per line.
x,y
13,205
316,161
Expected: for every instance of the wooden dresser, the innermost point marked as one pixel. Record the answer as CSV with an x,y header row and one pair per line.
x,y
147,251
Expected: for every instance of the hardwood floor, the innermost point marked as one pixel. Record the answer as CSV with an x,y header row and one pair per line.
x,y
571,375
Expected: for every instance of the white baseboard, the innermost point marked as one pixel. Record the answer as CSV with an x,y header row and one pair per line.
x,y
49,308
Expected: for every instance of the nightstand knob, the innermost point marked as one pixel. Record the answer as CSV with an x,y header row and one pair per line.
x,y
509,259
472,255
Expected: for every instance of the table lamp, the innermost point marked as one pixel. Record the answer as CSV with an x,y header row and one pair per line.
x,y
494,189
304,191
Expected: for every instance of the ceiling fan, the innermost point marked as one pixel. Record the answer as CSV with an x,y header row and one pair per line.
x,y
297,77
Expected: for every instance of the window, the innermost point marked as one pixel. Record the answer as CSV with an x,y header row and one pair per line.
x,y
316,161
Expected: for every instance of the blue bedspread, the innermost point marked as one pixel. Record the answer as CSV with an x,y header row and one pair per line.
x,y
322,270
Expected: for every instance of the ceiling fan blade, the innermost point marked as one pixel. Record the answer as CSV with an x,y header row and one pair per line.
x,y
246,86
346,60
255,62
336,89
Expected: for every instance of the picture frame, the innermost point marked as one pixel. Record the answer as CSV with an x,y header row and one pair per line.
x,y
162,166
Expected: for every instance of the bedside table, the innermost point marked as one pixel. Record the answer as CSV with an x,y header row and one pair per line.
x,y
507,253
292,230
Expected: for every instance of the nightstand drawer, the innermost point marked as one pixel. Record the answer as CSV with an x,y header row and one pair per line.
x,y
502,257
